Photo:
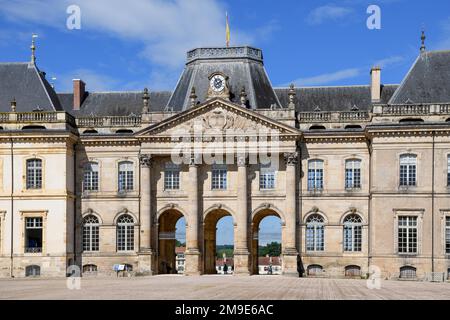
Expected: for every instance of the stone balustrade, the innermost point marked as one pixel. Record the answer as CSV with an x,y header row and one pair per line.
x,y
116,121
36,117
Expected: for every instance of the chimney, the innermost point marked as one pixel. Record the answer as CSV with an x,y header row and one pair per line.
x,y
78,93
375,84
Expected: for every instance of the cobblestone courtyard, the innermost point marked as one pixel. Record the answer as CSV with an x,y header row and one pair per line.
x,y
219,287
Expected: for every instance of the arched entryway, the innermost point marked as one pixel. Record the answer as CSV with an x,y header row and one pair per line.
x,y
271,235
168,222
211,221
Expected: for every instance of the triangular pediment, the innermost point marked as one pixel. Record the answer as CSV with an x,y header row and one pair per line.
x,y
215,116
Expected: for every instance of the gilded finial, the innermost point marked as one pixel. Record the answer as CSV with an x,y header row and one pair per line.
x,y
33,48
422,38
146,101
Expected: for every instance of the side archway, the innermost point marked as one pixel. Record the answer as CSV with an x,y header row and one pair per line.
x,y
167,219
258,215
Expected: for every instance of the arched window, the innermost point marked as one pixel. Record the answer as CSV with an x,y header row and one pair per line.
x,y
352,271
90,269
126,174
352,233
315,175
32,271
90,233
315,233
314,270
34,174
90,177
125,233
408,165
353,174
407,272
171,176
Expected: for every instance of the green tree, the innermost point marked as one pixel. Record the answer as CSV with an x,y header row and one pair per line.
x,y
272,249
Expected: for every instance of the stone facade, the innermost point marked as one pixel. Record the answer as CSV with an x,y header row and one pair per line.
x,y
109,192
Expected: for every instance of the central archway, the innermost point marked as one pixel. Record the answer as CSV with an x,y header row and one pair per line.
x,y
258,216
167,228
211,219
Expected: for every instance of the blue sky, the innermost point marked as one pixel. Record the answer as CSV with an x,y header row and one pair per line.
x,y
143,43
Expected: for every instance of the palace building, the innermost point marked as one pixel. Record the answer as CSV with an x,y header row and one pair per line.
x,y
359,176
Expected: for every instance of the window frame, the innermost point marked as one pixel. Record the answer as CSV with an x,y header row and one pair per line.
x,y
407,176
123,231
219,177
316,175
355,181
34,184
448,170
92,229
129,185
170,169
354,243
447,235
312,234
91,177
267,177
405,231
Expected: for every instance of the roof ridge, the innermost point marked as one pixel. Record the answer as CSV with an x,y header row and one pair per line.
x,y
14,63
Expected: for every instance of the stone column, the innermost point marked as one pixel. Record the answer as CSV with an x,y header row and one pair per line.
x,y
192,254
241,252
146,254
289,247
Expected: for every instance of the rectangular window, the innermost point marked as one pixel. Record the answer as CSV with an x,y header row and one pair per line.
x,y
34,174
266,177
407,235
125,176
172,176
448,170
353,174
219,177
315,175
447,235
33,235
408,167
90,179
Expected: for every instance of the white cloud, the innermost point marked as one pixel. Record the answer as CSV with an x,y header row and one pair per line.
x,y
327,78
326,13
389,61
94,81
166,29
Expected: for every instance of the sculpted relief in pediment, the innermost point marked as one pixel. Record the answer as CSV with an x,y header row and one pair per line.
x,y
219,119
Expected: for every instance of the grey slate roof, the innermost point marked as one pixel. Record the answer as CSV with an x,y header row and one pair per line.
x,y
428,81
334,98
25,83
121,103
243,66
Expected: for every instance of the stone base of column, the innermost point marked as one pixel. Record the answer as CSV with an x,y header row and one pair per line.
x,y
289,264
146,263
192,266
241,263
